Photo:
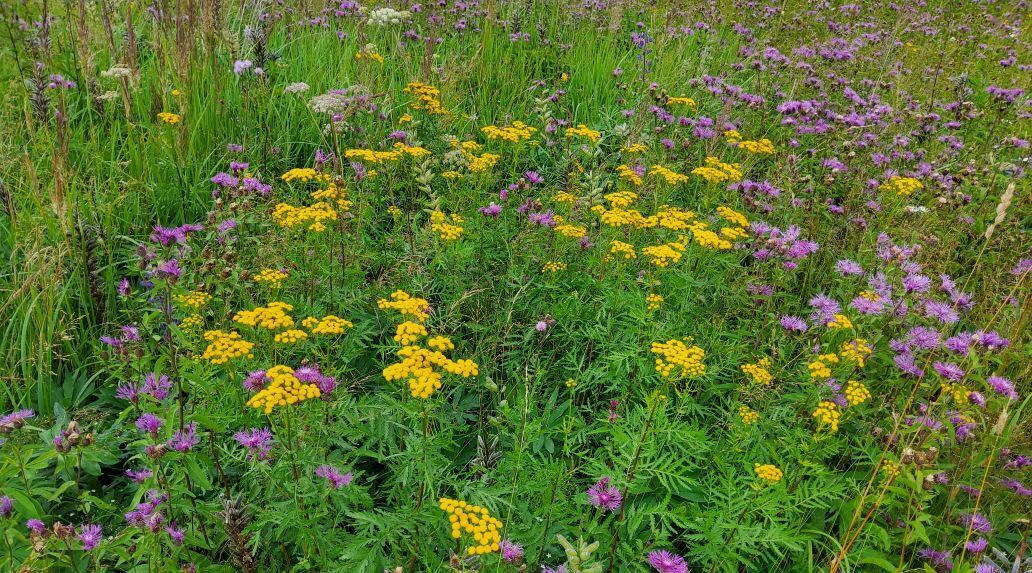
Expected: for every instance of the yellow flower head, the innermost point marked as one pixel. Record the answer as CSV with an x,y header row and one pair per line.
x,y
169,118
857,393
283,389
768,473
676,359
828,414
759,373
225,346
406,304
475,522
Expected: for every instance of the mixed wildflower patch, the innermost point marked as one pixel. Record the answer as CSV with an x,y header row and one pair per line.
x,y
464,286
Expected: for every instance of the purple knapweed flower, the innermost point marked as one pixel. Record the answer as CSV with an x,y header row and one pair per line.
x,y
605,496
666,562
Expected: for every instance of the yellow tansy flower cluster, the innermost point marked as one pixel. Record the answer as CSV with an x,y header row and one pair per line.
x,y
564,197
482,163
620,248
190,322
515,133
625,173
686,101
571,231
673,218
585,132
406,304
828,414
290,336
283,389
675,359
409,332
857,393
840,321
301,174
329,324
313,216
419,365
716,171
663,255
759,373
553,267
762,146
194,299
621,199
959,393
857,351
653,302
447,228
441,343
902,186
706,238
821,367
669,175
635,148
428,98
768,473
400,151
273,317
169,118
475,521
271,277
748,415
225,346
732,216
891,469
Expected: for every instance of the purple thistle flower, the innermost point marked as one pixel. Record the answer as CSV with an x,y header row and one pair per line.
x,y
223,179
976,522
977,546
6,506
175,533
36,526
123,287
941,311
91,536
605,496
939,559
258,442
533,177
992,341
158,387
184,440
14,420
825,308
1017,487
793,323
332,474
255,381
1003,386
169,269
511,552
140,475
666,562
492,210
129,391
846,267
924,337
149,423
949,370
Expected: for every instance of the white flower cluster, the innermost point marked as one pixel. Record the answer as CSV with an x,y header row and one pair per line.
x,y
388,17
296,88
